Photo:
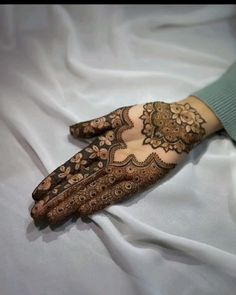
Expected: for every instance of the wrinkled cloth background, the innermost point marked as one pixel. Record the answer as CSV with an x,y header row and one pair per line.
x,y
64,64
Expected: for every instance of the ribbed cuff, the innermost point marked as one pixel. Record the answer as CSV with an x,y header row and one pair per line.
x,y
220,97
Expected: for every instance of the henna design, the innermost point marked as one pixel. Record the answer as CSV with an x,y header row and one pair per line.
x,y
97,126
119,182
81,160
92,179
172,126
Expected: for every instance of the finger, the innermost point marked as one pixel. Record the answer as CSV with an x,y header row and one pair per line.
x,y
97,126
135,179
66,189
76,164
80,197
113,195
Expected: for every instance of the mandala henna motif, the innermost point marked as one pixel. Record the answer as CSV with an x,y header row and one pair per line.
x,y
93,179
172,126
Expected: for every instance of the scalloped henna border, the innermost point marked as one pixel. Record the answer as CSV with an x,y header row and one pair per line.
x,y
122,145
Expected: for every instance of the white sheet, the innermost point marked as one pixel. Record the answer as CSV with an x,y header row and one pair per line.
x,y
64,64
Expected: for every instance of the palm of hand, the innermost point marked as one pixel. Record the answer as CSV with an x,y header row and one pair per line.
x,y
134,148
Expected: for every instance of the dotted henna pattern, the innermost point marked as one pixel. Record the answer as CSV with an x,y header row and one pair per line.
x,y
118,183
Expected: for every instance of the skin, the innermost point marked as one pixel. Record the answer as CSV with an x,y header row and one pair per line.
x,y
121,160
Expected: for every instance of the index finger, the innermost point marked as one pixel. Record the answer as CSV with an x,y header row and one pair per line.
x,y
75,165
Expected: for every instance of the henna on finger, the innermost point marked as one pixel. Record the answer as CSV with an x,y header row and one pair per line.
x,y
82,196
118,193
76,165
62,192
140,174
137,176
97,126
99,151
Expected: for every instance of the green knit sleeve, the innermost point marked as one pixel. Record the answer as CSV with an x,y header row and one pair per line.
x,y
220,97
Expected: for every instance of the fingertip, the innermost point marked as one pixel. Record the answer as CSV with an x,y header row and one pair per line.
x,y
50,218
74,130
35,195
61,212
36,209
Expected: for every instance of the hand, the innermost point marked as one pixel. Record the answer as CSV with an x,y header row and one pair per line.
x,y
134,147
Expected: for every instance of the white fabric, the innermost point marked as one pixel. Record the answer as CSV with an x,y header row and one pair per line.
x,y
64,64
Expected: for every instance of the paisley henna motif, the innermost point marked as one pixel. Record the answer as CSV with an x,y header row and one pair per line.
x,y
93,179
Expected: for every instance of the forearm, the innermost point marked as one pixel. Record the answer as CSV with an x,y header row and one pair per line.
x,y
220,97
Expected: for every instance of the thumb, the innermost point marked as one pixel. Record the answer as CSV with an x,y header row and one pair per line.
x,y
96,126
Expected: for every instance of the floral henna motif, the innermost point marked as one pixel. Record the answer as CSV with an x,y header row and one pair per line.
x,y
97,126
78,160
45,184
97,150
60,175
174,127
80,163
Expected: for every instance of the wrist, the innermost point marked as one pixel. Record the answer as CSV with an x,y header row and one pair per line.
x,y
212,124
